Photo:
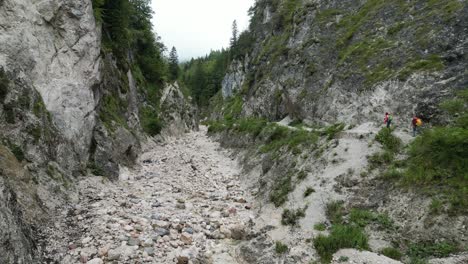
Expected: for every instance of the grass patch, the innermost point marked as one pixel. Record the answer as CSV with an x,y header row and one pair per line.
x,y
431,63
150,121
280,248
333,130
341,236
335,212
17,152
388,140
392,253
96,169
320,227
308,191
424,250
280,191
291,217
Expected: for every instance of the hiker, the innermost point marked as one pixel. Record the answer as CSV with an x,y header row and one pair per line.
x,y
416,123
388,119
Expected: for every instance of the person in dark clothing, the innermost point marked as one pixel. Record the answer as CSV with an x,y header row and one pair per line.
x,y
388,119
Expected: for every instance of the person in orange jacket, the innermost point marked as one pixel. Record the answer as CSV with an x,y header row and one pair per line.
x,y
416,123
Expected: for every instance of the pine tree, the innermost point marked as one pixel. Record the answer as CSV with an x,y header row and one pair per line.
x,y
173,64
235,32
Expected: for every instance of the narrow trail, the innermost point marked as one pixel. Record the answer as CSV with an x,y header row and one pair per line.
x,y
182,204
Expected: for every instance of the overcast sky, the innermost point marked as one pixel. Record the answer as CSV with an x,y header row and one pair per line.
x,y
195,27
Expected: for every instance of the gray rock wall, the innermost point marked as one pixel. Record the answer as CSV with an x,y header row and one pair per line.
x,y
351,61
55,47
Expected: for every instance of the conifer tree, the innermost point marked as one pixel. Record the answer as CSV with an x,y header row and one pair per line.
x,y
235,32
173,64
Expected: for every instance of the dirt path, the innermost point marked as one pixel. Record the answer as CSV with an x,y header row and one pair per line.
x,y
183,202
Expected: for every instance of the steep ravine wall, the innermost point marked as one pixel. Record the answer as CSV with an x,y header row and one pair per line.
x,y
350,61
67,108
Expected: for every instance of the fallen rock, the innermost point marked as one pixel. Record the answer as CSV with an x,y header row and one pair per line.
x,y
95,261
237,231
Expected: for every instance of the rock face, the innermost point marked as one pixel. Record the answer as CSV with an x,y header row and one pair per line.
x,y
329,61
178,113
67,108
56,47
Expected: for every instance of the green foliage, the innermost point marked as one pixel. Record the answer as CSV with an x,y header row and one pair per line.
x,y
393,174
454,106
335,212
327,15
388,140
203,76
233,107
377,160
424,250
436,206
96,169
361,217
280,248
173,65
320,227
431,63
17,151
253,126
308,191
333,130
216,127
291,217
112,112
341,236
280,190
97,9
150,121
9,113
4,85
280,136
392,253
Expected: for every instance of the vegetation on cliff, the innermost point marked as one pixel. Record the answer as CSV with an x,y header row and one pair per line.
x,y
128,35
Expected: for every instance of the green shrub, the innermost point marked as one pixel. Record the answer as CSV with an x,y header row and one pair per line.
x,y
280,190
424,250
392,253
320,227
361,217
333,130
150,121
290,217
96,169
17,151
216,127
392,174
4,84
379,159
251,126
431,63
388,140
335,212
280,248
308,191
436,206
341,236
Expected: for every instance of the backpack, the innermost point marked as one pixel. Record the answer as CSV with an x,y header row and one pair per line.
x,y
390,118
418,122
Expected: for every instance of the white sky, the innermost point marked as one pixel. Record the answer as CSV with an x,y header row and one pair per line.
x,y
195,27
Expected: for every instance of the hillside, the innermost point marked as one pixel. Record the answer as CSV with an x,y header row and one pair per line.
x,y
302,107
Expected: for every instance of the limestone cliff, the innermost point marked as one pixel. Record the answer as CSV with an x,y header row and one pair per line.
x,y
328,61
68,107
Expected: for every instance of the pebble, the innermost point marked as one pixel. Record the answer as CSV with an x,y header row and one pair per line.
x,y
159,215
